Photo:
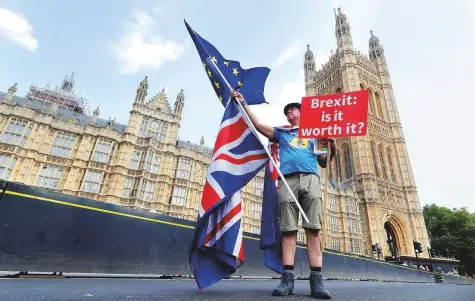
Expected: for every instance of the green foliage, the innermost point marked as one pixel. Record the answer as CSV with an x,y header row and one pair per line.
x,y
452,232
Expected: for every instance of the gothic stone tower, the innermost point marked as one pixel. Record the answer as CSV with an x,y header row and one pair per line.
x,y
378,163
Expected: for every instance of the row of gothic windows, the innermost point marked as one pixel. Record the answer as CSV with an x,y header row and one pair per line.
x,y
383,163
18,130
385,169
342,164
375,105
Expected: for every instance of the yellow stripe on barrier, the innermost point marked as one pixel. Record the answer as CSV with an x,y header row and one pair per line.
x,y
97,209
29,196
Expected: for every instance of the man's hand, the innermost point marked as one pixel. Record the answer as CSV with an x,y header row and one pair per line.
x,y
322,159
264,129
238,96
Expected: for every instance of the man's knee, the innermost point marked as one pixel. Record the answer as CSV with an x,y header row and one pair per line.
x,y
312,231
289,233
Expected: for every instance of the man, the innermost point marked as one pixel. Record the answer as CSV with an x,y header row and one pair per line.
x,y
298,164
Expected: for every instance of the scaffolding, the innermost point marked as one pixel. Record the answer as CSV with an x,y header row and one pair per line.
x,y
63,95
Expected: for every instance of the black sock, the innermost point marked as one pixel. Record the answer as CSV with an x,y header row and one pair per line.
x,y
316,269
288,267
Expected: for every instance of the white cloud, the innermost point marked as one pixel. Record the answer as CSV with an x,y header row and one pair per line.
x,y
15,27
321,59
287,54
167,88
273,113
142,47
292,92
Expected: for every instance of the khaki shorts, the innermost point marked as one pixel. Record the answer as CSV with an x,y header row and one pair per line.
x,y
307,190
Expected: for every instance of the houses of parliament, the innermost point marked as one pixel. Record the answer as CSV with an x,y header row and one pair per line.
x,y
48,140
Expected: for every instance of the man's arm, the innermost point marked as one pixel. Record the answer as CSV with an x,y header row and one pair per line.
x,y
264,129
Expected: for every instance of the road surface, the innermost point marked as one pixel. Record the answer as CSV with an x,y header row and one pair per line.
x,y
226,290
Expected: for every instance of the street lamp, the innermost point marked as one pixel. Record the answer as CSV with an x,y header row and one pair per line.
x,y
417,249
377,250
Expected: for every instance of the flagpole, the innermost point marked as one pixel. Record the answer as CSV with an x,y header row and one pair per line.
x,y
304,216
324,209
254,130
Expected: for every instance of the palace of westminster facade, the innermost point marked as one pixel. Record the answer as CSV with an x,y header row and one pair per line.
x,y
48,140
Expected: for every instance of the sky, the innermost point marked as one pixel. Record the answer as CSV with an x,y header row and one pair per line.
x,y
112,45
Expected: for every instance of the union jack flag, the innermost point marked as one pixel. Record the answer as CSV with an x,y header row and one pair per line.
x,y
238,155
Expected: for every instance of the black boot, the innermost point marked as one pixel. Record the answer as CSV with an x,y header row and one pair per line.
x,y
286,286
316,286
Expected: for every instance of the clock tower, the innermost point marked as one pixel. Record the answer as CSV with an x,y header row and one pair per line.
x,y
154,117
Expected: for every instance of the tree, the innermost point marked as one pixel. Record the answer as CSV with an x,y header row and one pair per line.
x,y
452,233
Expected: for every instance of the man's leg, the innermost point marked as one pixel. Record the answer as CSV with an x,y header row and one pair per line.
x,y
313,206
288,226
289,245
315,255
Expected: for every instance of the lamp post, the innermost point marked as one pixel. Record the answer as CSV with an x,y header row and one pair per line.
x,y
377,250
417,249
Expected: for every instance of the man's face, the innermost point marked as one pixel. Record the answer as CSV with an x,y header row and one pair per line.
x,y
293,115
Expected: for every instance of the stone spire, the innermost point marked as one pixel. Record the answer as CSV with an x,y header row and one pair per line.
x,y
179,103
343,31
141,92
309,62
95,115
202,143
309,67
67,86
11,91
375,49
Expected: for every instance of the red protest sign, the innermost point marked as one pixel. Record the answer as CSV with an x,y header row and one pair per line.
x,y
334,115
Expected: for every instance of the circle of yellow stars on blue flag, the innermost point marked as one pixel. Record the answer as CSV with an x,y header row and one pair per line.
x,y
226,75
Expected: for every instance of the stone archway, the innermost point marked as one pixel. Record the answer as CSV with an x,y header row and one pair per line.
x,y
396,235
391,239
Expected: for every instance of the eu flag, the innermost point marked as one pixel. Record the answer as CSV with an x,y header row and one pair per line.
x,y
249,82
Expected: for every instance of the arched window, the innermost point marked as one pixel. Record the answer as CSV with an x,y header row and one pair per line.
x,y
330,171
369,108
348,161
379,105
371,102
338,165
338,90
390,164
373,154
381,161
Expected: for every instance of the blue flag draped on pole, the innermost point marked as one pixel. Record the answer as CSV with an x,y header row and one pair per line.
x,y
217,248
270,240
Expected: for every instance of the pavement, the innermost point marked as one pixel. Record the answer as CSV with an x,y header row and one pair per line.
x,y
226,290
